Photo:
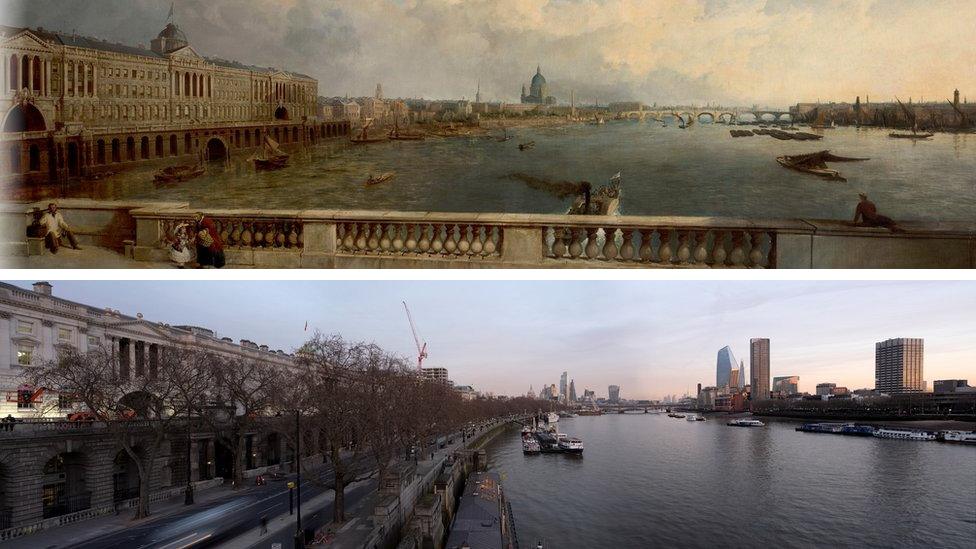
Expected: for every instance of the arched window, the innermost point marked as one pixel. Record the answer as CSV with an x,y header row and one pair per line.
x,y
116,151
144,148
130,149
100,152
187,144
172,145
159,146
34,159
15,158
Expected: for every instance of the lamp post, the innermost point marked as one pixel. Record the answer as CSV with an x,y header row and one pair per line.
x,y
299,535
189,468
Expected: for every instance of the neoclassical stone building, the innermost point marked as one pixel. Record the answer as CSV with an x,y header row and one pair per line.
x,y
53,470
75,105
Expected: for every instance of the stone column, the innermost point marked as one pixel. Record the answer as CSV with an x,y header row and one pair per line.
x,y
30,74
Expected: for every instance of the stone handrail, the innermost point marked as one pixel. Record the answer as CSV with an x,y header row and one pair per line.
x,y
358,239
375,238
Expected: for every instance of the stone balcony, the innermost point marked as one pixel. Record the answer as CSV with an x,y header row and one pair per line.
x,y
395,239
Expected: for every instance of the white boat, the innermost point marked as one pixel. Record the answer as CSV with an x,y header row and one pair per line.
x,y
962,437
552,417
903,434
570,444
746,423
694,417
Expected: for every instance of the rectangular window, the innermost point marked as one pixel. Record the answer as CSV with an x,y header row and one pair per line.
x,y
64,335
93,341
25,353
24,327
64,402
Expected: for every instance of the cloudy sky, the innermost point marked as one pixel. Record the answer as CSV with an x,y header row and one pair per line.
x,y
651,338
767,52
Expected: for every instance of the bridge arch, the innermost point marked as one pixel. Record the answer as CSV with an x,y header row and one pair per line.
x,y
785,117
216,148
725,116
24,118
711,116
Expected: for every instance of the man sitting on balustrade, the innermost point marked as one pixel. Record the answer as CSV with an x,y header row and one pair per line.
x,y
866,215
54,228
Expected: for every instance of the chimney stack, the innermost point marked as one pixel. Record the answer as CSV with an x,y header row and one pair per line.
x,y
43,288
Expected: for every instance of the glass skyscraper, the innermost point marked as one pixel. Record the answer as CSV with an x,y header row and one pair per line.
x,y
723,367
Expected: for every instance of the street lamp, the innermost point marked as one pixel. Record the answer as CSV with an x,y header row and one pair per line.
x,y
189,469
299,535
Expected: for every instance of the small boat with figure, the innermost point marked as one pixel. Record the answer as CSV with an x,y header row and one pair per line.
x,y
816,164
526,146
272,158
176,174
382,178
364,137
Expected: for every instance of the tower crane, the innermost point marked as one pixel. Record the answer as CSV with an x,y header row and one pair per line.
x,y
421,347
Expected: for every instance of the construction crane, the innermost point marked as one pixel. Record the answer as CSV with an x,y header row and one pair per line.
x,y
421,348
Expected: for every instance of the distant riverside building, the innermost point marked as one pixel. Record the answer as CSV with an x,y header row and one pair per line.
x,y
436,374
572,390
759,367
742,375
76,105
723,367
787,385
563,387
952,386
538,91
589,394
825,388
898,365
613,393
734,380
706,398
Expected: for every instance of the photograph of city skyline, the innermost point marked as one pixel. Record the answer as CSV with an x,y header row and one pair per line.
x,y
417,384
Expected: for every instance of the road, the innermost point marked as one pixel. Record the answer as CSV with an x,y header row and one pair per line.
x,y
206,525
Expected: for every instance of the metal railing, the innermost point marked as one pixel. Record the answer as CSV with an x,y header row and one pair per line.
x,y
67,505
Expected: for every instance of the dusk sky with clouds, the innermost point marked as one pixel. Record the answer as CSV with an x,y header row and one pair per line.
x,y
651,338
739,52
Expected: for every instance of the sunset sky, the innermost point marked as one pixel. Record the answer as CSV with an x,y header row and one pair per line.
x,y
741,52
651,338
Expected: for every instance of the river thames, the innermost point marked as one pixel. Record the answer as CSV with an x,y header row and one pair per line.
x,y
701,171
647,480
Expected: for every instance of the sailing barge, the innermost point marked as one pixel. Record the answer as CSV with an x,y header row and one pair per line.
x,y
273,158
364,137
816,164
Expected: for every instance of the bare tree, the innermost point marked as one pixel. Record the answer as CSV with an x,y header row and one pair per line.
x,y
242,393
140,412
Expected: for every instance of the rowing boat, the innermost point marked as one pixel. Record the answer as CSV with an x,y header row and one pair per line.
x,y
816,164
378,179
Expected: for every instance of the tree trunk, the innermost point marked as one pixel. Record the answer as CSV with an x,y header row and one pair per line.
x,y
142,507
239,461
339,503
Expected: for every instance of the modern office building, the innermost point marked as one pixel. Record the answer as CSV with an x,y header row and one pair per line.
x,y
723,367
436,374
614,393
898,365
786,385
563,388
825,388
572,390
759,367
952,386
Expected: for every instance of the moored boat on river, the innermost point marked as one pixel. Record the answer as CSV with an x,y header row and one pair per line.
x,y
903,434
816,164
571,445
378,179
273,158
960,437
745,423
176,174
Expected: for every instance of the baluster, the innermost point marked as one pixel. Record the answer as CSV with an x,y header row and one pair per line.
x,y
362,229
348,239
300,238
271,235
476,243
373,242
490,245
718,250
576,246
411,242
247,234
437,245
664,252
645,251
292,236
464,240
386,244
756,254
610,244
738,255
450,245
684,250
701,251
398,237
424,243
592,248
224,230
627,249
558,245
258,236
235,235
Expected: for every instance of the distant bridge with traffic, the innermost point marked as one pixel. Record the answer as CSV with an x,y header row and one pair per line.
x,y
721,115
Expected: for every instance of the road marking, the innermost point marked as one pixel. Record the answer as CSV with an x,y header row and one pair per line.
x,y
184,538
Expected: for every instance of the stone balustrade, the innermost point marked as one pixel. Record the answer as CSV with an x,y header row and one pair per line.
x,y
395,239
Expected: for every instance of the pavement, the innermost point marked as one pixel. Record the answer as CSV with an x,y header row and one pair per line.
x,y
88,257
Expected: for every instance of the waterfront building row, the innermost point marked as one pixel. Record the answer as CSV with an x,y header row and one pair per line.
x,y
76,103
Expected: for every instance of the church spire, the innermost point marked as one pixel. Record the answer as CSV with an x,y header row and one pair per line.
x,y
538,69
